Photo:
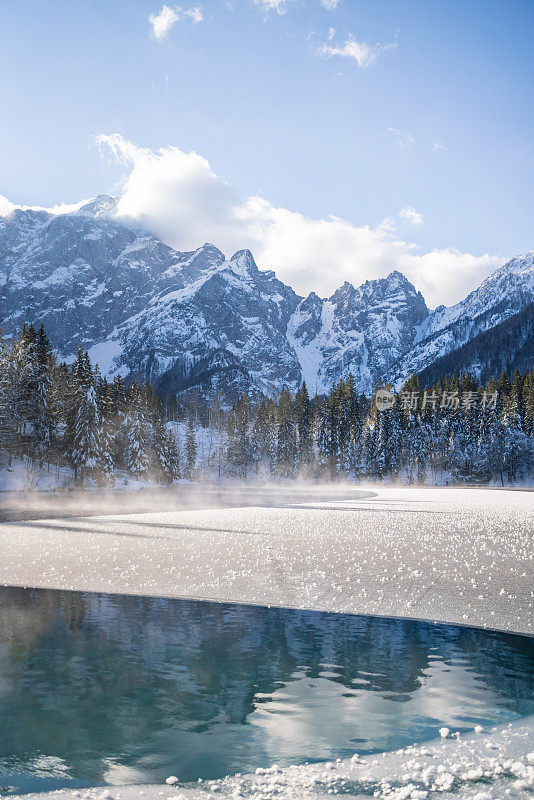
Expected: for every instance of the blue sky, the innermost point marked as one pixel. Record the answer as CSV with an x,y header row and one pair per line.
x,y
411,121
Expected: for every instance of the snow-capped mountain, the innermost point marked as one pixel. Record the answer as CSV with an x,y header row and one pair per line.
x,y
507,346
361,330
198,319
499,297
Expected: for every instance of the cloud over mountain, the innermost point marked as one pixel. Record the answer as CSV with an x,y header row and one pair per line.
x,y
182,200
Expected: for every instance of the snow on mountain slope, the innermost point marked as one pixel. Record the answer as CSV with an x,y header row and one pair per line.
x,y
499,297
361,330
78,274
232,309
199,320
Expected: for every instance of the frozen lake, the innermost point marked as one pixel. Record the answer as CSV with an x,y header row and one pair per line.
x,y
460,556
453,555
108,689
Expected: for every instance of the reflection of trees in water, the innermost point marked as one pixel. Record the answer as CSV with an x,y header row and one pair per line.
x,y
25,614
101,674
74,605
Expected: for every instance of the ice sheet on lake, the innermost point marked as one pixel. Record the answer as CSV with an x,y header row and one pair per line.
x,y
453,555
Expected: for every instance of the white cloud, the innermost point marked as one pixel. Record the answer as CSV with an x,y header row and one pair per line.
x,y
7,207
163,22
402,139
167,17
180,198
195,14
438,145
362,53
272,5
409,214
331,5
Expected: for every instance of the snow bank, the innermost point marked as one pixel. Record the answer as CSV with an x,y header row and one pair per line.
x,y
490,766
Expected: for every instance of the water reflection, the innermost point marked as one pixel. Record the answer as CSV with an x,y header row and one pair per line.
x,y
98,688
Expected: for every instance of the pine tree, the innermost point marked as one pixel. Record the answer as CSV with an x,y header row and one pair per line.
x,y
327,436
8,393
380,454
343,429
410,446
528,390
357,409
138,434
190,449
286,450
166,468
104,472
514,451
85,452
240,450
261,434
42,417
394,442
304,424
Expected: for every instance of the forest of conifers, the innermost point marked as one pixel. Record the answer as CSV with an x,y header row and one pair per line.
x,y
453,431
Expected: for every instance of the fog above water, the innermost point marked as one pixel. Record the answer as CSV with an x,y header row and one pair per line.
x,y
35,505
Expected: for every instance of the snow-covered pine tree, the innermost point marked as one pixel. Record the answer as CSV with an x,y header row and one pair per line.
x,y
409,459
23,394
190,449
85,451
166,456
286,450
356,412
273,439
117,405
240,450
137,434
528,390
496,440
261,434
343,429
43,420
381,444
394,442
106,462
304,424
369,435
327,436
8,389
515,445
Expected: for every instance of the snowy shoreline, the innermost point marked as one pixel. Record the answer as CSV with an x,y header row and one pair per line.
x,y
488,765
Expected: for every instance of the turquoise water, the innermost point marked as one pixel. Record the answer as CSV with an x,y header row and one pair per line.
x,y
101,689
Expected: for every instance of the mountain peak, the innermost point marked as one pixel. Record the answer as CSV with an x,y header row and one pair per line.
x,y
245,260
395,275
103,205
519,264
210,249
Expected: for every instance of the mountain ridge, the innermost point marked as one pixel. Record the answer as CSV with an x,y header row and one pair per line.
x,y
198,319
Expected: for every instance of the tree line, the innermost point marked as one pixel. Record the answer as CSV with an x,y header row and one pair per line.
x,y
68,414
455,430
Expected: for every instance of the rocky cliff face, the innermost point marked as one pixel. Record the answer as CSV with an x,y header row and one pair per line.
x,y
361,330
197,319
